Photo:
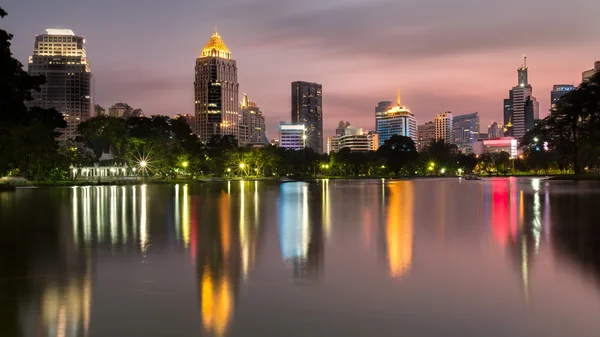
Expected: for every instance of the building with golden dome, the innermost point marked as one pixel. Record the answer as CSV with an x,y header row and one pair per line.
x,y
216,91
397,120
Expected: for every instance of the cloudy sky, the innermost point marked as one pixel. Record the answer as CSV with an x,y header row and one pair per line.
x,y
456,55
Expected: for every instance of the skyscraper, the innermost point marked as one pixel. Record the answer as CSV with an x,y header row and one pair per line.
x,y
558,91
254,123
465,131
396,120
443,127
307,109
521,108
216,91
586,75
60,56
495,130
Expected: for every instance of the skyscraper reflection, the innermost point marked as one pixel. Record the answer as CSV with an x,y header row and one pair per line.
x,y
301,228
399,227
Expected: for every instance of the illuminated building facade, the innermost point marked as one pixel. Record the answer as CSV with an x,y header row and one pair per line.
x,y
307,109
216,91
292,136
443,127
425,135
558,91
332,144
252,124
465,131
60,56
494,145
586,75
354,139
397,120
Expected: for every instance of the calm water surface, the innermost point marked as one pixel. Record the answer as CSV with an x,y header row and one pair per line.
x,y
498,257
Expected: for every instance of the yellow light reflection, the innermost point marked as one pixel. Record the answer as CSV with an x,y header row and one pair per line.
x,y
243,232
124,213
326,214
216,303
114,235
177,213
87,223
144,235
134,213
224,222
186,217
399,230
75,217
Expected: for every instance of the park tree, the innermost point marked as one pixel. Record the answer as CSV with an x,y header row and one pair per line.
x,y
28,145
400,154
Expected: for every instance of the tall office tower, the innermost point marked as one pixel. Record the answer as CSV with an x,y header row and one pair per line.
x,y
465,129
253,123
216,91
495,130
307,109
443,127
60,56
521,108
383,106
586,75
558,91
396,120
425,135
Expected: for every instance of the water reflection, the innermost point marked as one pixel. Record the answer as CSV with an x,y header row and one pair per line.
x,y
399,227
199,250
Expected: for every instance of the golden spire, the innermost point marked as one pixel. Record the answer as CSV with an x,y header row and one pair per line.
x,y
399,97
215,47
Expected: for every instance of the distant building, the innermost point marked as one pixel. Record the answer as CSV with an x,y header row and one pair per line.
x,y
465,131
558,91
60,56
586,75
443,127
383,106
354,139
483,136
494,145
396,120
521,108
307,109
125,111
252,124
495,130
292,136
341,129
216,91
425,135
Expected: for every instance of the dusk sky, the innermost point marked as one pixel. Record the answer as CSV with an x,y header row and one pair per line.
x,y
458,55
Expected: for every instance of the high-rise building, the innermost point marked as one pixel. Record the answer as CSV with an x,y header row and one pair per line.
x,y
425,135
443,127
216,91
292,136
521,108
396,120
60,56
307,109
339,131
495,130
252,124
332,144
558,91
465,131
586,75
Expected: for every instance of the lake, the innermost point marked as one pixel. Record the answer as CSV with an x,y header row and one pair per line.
x,y
430,257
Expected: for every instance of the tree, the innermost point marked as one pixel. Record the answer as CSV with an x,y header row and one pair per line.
x,y
27,135
400,154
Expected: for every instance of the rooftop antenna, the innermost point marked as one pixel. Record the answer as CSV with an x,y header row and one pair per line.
x,y
524,61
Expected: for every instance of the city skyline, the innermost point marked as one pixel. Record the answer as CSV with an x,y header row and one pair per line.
x,y
159,83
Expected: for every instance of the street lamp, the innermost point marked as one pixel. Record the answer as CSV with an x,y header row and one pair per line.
x,y
185,164
143,163
242,165
535,139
